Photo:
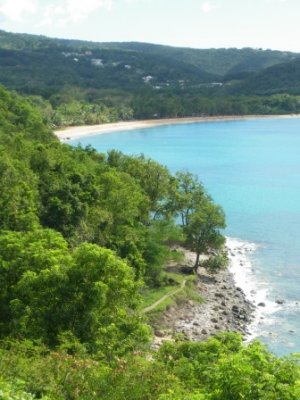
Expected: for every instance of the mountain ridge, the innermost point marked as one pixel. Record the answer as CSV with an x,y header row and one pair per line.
x,y
90,83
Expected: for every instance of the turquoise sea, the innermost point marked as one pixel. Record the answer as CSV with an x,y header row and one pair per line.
x,y
252,169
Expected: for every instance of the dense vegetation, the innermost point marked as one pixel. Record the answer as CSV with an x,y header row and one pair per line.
x,y
282,78
75,82
218,62
80,234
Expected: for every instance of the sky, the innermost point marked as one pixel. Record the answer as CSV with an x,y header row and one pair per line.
x,y
272,24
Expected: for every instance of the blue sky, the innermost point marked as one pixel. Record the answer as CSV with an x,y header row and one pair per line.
x,y
191,23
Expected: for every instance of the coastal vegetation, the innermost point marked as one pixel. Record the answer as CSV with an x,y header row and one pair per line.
x,y
84,237
77,83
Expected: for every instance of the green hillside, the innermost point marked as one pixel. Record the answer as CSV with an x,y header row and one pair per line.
x,y
76,82
281,78
218,62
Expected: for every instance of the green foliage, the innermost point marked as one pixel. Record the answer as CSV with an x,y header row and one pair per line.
x,y
187,196
281,78
18,116
222,368
19,196
216,262
201,219
69,112
136,378
54,375
82,195
156,253
154,178
104,304
14,391
46,291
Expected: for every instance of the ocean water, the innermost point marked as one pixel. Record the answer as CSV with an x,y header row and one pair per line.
x,y
252,169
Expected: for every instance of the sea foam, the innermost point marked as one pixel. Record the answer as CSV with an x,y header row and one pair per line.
x,y
256,290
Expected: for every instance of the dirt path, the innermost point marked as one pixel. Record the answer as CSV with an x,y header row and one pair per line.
x,y
163,298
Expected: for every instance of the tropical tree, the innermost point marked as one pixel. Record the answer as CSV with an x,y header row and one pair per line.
x,y
187,196
203,229
201,219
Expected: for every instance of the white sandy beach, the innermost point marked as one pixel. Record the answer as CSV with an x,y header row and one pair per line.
x,y
76,132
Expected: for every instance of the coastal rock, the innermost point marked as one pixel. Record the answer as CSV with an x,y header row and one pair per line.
x,y
235,309
262,304
218,294
225,308
279,301
186,270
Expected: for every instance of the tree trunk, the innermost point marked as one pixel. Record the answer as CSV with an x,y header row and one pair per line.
x,y
196,265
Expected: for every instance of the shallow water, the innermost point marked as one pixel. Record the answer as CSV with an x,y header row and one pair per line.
x,y
251,168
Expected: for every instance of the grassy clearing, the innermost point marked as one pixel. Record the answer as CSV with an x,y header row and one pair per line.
x,y
151,295
173,293
190,291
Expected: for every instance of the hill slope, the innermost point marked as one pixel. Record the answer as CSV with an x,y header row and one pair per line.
x,y
282,78
35,63
79,82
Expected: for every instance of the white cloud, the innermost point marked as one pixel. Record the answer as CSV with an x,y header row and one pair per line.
x,y
77,10
55,12
207,7
15,10
72,11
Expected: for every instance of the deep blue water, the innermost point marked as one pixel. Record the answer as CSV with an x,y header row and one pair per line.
x,y
252,169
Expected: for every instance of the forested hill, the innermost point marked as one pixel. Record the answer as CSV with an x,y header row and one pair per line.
x,y
281,78
218,62
77,82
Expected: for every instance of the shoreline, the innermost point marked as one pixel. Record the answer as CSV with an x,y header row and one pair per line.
x,y
77,132
234,301
227,307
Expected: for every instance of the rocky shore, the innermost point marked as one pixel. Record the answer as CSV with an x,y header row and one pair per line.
x,y
225,306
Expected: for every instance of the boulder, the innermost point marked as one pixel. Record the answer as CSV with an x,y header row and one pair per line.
x,y
235,309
